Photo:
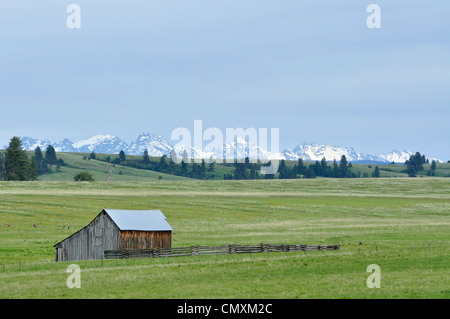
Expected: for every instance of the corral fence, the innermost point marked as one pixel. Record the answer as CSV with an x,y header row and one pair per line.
x,y
212,250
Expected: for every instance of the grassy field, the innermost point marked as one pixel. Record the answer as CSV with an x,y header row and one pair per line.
x,y
77,162
401,224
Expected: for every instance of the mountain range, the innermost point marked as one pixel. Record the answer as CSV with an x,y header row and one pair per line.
x,y
157,145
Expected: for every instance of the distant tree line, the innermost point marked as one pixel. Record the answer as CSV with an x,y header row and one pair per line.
x,y
167,165
299,170
15,165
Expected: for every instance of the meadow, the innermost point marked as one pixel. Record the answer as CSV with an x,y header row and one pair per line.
x,y
400,224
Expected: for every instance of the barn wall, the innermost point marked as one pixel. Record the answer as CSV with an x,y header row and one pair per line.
x,y
133,239
90,242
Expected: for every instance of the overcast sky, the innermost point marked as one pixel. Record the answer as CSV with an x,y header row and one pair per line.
x,y
310,68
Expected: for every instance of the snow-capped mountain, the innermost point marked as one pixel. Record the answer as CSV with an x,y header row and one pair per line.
x,y
239,148
396,156
101,144
65,145
157,145
29,143
315,152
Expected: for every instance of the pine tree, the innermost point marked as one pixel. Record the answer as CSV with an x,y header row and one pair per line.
x,y
253,173
41,162
162,166
300,167
194,171
33,170
146,158
240,171
212,165
184,163
343,168
433,168
323,164
17,165
122,157
282,169
173,156
50,155
93,155
335,169
376,172
2,167
202,171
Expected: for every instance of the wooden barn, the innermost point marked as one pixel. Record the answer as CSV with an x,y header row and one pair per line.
x,y
114,230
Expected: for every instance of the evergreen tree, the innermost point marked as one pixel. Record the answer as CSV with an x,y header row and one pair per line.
x,y
335,169
410,169
162,166
173,156
202,171
93,155
433,168
33,170
212,165
253,172
324,166
122,156
376,172
185,157
17,165
299,167
317,168
240,171
50,155
282,169
41,162
195,171
309,172
2,167
146,158
343,168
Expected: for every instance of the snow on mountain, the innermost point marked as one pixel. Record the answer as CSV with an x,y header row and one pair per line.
x,y
108,144
65,145
396,156
29,143
315,152
156,145
238,149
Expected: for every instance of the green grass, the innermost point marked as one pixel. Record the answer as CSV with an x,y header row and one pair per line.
x,y
401,224
99,170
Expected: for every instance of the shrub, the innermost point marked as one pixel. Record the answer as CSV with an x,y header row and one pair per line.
x,y
84,176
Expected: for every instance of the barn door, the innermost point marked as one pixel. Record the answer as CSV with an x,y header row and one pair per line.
x,y
99,243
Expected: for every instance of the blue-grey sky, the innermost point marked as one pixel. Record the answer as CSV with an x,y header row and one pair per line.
x,y
310,68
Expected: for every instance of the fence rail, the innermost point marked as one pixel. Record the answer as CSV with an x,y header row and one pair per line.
x,y
212,250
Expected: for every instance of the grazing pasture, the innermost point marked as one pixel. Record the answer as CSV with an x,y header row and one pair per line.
x,y
400,224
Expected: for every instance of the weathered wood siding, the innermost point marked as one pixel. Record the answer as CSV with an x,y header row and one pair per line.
x,y
133,239
91,241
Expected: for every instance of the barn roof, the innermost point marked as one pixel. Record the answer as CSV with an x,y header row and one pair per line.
x,y
143,220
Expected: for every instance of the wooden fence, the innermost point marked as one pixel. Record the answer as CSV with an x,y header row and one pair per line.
x,y
212,250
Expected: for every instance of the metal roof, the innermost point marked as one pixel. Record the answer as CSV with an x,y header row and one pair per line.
x,y
153,220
